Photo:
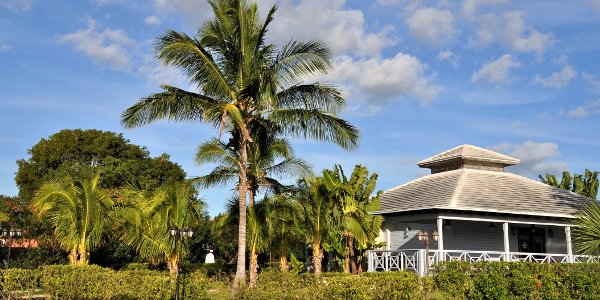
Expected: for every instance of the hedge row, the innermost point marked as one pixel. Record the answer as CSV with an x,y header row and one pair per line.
x,y
94,282
391,285
452,280
502,280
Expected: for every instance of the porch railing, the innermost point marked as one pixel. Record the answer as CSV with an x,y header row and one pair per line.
x,y
417,261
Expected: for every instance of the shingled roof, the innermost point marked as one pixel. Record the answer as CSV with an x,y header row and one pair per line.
x,y
476,190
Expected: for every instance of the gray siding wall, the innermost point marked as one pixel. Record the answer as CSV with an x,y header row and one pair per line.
x,y
467,235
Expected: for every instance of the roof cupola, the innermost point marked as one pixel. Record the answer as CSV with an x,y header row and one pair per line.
x,y
468,157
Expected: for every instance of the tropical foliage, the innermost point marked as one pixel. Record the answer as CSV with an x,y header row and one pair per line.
x,y
78,211
584,184
148,218
245,85
586,235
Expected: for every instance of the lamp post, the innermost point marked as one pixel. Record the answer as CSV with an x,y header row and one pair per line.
x,y
11,233
179,234
424,239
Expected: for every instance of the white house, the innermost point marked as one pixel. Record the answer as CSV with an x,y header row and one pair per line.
x,y
478,211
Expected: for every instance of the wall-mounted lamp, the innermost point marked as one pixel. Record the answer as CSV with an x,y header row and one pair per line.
x,y
532,228
447,225
491,226
513,230
406,232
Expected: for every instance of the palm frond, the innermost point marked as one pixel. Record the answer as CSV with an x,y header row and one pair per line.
x,y
312,96
316,125
188,54
586,235
172,104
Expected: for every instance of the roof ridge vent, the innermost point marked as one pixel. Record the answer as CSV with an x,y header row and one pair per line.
x,y
468,157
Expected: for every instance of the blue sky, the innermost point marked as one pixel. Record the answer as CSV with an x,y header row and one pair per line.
x,y
420,77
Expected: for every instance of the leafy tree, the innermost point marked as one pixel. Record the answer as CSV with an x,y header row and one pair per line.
x,y
78,211
352,200
149,215
336,215
242,80
583,184
81,153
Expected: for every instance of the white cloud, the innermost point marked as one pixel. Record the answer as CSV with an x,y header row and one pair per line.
x,y
536,158
152,20
433,25
558,79
510,30
378,81
158,74
496,71
188,7
523,39
17,5
449,56
5,48
470,6
561,60
108,46
589,108
345,30
591,79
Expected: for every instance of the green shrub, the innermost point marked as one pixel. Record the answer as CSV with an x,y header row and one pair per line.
x,y
517,280
280,285
451,280
20,282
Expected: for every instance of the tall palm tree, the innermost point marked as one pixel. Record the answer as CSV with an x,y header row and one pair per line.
x,y
242,79
78,211
149,216
586,235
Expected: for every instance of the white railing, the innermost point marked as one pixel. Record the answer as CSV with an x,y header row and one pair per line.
x,y
413,259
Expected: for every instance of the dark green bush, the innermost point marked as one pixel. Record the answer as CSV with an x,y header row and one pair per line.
x,y
517,280
392,285
451,280
94,282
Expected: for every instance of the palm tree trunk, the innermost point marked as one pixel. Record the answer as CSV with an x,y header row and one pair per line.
x,y
173,264
283,256
73,256
317,257
252,194
82,258
353,266
283,262
240,274
253,266
346,254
